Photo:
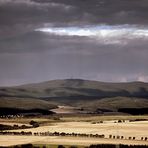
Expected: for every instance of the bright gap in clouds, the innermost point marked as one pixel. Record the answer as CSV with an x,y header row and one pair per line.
x,y
105,32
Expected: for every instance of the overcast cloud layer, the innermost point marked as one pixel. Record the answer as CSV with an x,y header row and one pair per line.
x,y
104,40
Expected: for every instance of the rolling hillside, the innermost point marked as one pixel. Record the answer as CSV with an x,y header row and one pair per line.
x,y
74,92
25,103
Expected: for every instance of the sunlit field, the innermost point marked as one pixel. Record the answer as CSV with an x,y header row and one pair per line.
x,y
116,130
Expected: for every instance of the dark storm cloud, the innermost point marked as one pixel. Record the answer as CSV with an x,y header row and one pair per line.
x,y
108,11
39,42
23,16
117,53
37,57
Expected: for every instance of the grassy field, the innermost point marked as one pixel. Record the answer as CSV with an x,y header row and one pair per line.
x,y
41,121
128,129
18,140
92,118
84,124
46,120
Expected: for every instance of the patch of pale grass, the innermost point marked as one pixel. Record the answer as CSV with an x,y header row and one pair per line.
x,y
18,140
103,118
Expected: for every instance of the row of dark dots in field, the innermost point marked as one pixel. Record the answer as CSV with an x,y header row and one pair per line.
x,y
70,134
129,138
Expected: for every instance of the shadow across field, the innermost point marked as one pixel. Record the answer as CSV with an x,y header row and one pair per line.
x,y
91,146
16,111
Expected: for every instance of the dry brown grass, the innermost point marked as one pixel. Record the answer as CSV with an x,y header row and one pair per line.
x,y
90,118
84,125
16,140
128,129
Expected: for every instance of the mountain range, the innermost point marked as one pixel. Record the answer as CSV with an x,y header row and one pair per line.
x,y
84,94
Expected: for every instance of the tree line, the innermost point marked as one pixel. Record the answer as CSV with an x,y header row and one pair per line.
x,y
69,134
51,134
33,124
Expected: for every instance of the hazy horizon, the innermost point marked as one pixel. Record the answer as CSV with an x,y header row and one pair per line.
x,y
101,40
38,82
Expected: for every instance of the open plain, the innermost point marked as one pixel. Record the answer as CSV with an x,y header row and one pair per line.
x,y
108,126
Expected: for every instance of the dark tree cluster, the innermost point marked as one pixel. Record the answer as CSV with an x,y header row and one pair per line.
x,y
34,123
134,111
14,127
4,111
16,133
68,134
52,134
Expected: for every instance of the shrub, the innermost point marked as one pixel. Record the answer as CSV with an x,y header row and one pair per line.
x,y
27,146
73,146
119,121
61,146
34,123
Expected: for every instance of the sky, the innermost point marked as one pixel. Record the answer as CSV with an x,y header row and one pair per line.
x,y
103,40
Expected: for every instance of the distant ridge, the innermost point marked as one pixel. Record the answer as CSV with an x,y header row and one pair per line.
x,y
75,92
